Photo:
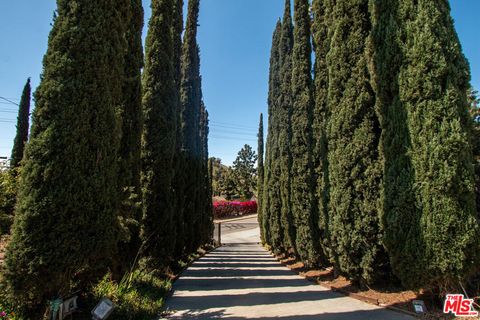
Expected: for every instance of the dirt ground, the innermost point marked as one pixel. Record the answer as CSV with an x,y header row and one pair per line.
x,y
391,297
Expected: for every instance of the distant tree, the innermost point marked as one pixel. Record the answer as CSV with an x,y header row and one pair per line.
x,y
205,195
219,174
22,126
244,172
260,168
272,233
228,185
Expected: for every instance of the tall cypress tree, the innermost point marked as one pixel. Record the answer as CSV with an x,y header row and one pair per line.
x,y
178,181
22,126
205,198
66,215
158,145
437,242
190,92
321,41
285,133
270,193
131,134
260,173
303,187
272,211
353,142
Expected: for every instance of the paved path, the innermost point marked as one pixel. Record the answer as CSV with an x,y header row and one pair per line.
x,y
241,280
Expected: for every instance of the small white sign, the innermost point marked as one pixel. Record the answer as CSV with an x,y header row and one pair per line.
x,y
103,309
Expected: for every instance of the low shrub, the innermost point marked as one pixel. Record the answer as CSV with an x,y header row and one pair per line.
x,y
225,209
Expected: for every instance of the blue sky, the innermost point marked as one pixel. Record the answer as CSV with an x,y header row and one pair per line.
x,y
235,38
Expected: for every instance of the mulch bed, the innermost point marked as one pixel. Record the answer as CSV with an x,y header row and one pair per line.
x,y
391,297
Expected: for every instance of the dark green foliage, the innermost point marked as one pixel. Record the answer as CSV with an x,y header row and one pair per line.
x,y
285,104
228,187
304,205
8,194
321,41
191,99
159,133
66,222
270,220
400,215
431,229
474,104
260,171
354,134
178,181
21,137
130,143
244,172
219,174
205,206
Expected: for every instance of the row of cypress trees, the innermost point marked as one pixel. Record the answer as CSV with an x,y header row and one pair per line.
x,y
116,166
369,165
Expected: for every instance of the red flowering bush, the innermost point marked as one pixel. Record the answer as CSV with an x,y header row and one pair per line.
x,y
224,209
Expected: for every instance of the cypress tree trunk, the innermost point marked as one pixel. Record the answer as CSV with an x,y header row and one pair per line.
x,y
191,100
272,211
269,187
21,137
178,181
66,216
260,174
158,145
303,188
321,38
353,135
130,143
285,133
437,242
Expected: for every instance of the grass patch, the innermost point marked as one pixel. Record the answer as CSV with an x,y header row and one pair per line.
x,y
139,296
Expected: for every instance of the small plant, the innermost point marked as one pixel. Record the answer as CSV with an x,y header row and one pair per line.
x,y
6,312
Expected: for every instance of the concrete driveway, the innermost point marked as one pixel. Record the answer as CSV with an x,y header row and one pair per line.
x,y
241,280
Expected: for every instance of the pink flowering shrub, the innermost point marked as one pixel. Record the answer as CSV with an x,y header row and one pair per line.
x,y
224,209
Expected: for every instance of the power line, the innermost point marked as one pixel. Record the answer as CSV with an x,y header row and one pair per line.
x,y
233,128
231,138
3,98
234,133
233,125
